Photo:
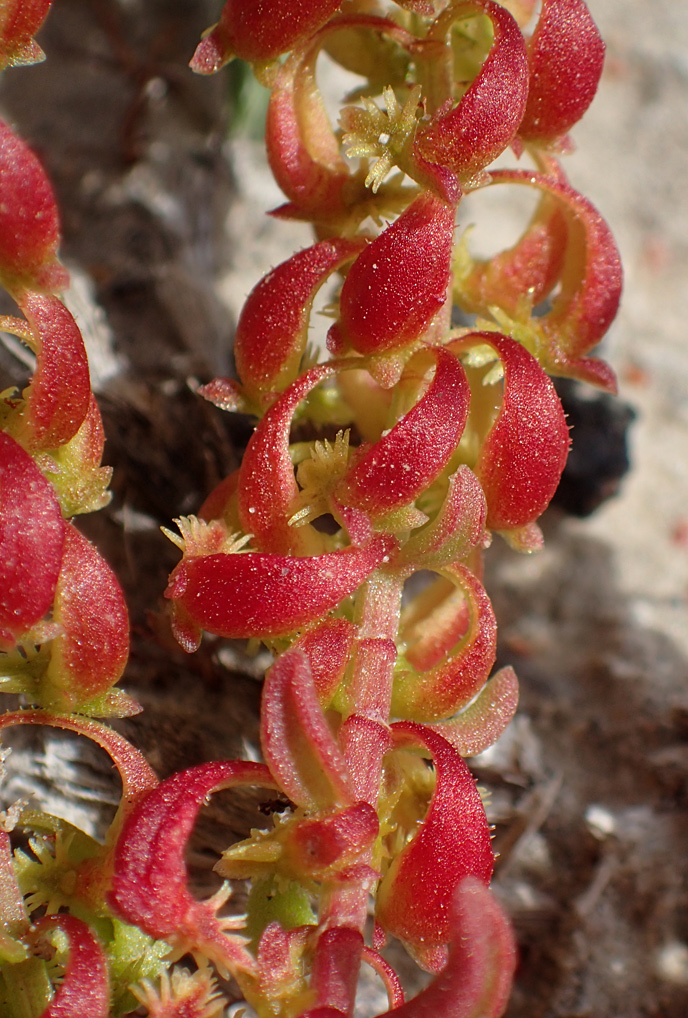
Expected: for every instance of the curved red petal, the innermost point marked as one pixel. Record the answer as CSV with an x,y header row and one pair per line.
x,y
32,534
267,489
149,884
255,595
591,282
476,981
415,896
298,745
565,55
85,990
303,150
466,137
58,397
90,653
524,454
273,327
399,282
260,31
29,223
433,692
403,463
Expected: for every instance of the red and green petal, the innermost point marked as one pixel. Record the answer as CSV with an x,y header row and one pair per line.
x,y
267,488
522,458
331,846
456,529
137,776
528,271
19,22
79,480
590,284
302,148
260,32
272,330
467,137
58,396
90,653
298,744
327,647
483,721
85,989
476,980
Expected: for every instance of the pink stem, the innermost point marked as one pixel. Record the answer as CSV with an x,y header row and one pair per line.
x,y
364,738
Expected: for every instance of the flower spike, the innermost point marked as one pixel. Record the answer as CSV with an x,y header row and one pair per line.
x,y
399,283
